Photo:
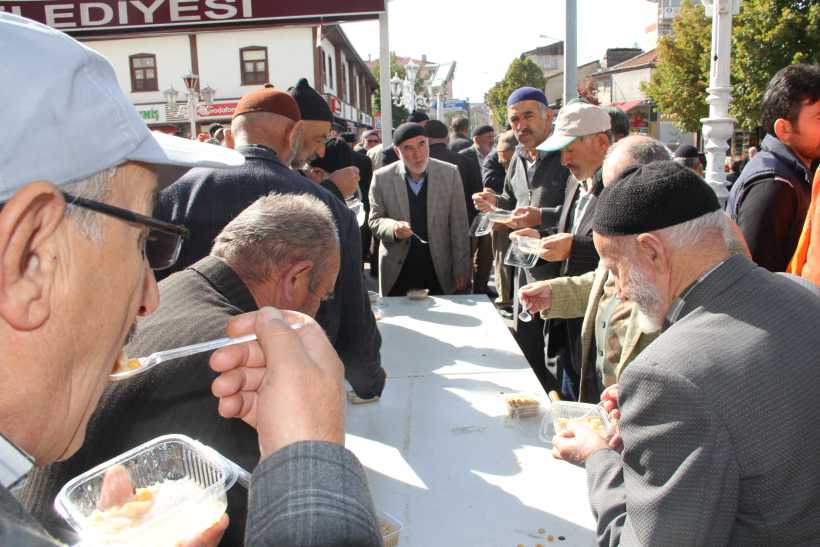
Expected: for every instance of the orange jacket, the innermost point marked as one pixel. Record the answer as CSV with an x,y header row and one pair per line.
x,y
806,260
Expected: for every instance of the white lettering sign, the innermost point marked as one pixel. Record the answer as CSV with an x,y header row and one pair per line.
x,y
147,11
58,11
178,6
86,19
227,11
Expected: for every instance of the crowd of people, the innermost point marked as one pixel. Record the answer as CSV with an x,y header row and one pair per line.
x,y
697,326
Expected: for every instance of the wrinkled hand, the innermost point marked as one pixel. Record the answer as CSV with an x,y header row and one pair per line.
x,y
524,217
402,230
609,400
577,444
287,384
536,296
556,248
117,489
346,180
461,282
485,200
525,232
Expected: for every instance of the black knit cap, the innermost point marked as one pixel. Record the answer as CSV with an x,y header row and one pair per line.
x,y
312,106
650,197
337,156
407,131
418,116
436,130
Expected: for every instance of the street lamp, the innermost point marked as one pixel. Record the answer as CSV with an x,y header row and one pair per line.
x,y
404,91
196,101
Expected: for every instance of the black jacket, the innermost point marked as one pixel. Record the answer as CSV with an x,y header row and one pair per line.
x,y
470,175
493,173
459,143
205,200
769,202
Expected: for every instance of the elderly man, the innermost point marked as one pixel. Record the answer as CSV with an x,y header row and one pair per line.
x,y
483,139
534,187
688,156
493,173
610,336
582,136
265,130
417,211
370,138
257,260
77,276
694,469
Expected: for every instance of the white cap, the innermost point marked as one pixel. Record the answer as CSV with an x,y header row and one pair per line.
x,y
67,118
575,120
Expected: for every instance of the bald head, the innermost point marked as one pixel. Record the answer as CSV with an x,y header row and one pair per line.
x,y
629,151
272,130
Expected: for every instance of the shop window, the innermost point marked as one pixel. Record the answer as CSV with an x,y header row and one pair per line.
x,y
143,72
254,63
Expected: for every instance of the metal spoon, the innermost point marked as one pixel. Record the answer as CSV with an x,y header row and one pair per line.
x,y
420,240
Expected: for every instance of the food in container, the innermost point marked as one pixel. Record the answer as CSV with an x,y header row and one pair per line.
x,y
418,294
389,527
520,405
564,413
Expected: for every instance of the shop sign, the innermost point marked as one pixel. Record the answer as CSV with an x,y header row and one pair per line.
x,y
152,113
87,17
220,110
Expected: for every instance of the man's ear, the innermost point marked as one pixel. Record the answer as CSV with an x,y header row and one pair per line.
x,y
654,252
291,136
297,282
28,254
783,130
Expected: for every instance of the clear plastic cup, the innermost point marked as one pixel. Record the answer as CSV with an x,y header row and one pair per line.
x,y
390,528
481,225
159,461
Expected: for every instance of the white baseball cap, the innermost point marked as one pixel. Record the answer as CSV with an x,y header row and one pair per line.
x,y
575,120
67,118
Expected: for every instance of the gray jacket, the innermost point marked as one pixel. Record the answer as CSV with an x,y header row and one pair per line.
x,y
306,494
717,422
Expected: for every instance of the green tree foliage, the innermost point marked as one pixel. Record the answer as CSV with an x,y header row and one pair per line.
x,y
399,112
521,72
766,36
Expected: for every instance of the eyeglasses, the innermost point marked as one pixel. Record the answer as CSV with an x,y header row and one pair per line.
x,y
164,241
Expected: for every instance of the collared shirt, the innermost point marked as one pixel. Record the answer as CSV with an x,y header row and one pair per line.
x,y
415,185
581,203
611,324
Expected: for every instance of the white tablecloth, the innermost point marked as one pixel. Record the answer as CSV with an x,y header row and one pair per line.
x,y
440,452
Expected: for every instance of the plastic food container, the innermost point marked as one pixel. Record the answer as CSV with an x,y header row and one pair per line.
x,y
529,244
168,460
522,405
481,225
418,294
563,413
373,296
389,527
500,215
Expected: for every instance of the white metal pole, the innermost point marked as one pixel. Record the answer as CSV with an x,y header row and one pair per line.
x,y
570,51
719,127
192,109
384,80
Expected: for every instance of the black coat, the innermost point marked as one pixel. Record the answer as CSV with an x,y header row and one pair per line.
x,y
205,200
493,173
470,175
459,143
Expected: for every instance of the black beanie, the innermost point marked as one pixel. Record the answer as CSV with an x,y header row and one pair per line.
x,y
337,156
418,116
482,129
650,197
312,106
436,130
407,131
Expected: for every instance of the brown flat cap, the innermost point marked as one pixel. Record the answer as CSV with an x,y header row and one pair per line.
x,y
268,99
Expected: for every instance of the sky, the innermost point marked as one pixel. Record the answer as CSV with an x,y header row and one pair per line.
x,y
484,36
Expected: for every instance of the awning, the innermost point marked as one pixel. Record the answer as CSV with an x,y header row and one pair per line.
x,y
627,105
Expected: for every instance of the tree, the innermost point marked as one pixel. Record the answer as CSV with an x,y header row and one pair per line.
x,y
588,91
521,72
766,36
399,112
679,82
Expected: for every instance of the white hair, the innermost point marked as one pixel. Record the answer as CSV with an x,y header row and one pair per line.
x,y
689,233
97,187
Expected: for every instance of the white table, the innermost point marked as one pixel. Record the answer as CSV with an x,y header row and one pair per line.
x,y
441,454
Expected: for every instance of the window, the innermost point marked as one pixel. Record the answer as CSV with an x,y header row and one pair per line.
x,y
329,75
143,72
253,62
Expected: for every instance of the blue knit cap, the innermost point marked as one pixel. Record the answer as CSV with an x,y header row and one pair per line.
x,y
527,94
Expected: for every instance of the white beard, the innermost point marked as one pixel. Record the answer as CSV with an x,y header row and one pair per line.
x,y
648,299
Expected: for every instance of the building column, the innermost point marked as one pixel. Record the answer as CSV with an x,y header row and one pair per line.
x,y
719,127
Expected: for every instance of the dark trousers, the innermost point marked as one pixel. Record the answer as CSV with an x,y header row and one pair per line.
x,y
418,273
482,248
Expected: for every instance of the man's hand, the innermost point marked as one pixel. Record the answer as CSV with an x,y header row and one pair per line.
x,y
524,217
287,384
484,201
402,230
346,180
526,232
210,537
556,248
536,296
609,400
461,282
577,444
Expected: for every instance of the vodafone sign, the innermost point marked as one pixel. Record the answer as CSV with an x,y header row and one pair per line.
x,y
221,110
81,17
